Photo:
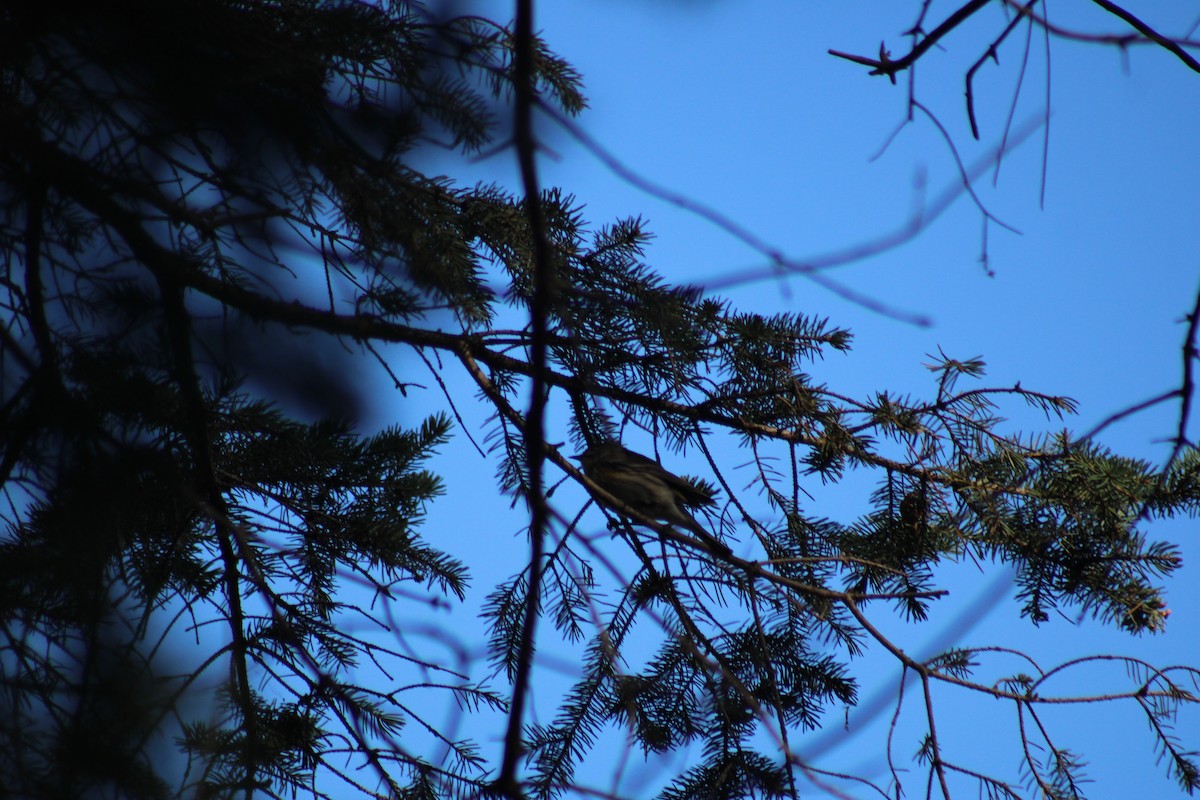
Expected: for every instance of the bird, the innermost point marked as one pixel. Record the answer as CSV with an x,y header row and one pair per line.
x,y
643,485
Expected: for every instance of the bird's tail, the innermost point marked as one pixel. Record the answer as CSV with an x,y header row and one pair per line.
x,y
712,542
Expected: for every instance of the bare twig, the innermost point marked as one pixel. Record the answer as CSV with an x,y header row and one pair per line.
x,y
782,265
1165,42
992,54
1187,387
890,240
889,67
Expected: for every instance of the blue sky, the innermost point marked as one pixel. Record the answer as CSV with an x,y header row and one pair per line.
x,y
738,106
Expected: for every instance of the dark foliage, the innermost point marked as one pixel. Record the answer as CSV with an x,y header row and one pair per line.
x,y
213,226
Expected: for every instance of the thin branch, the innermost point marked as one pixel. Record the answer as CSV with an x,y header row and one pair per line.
x,y
197,434
992,54
1188,387
1120,41
889,67
535,437
964,175
1046,129
1120,415
782,265
1168,44
934,743
905,232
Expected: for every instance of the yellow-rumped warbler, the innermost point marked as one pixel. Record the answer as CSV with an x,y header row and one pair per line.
x,y
643,485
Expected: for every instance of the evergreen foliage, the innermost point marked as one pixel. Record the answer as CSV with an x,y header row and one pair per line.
x,y
213,226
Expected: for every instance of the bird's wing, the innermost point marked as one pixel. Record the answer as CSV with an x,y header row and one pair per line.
x,y
639,461
691,491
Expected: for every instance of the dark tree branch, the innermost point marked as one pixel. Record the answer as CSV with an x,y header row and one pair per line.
x,y
781,264
890,67
797,579
885,65
35,299
908,230
1168,44
1187,388
1127,412
535,435
197,433
1120,41
992,54
964,175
